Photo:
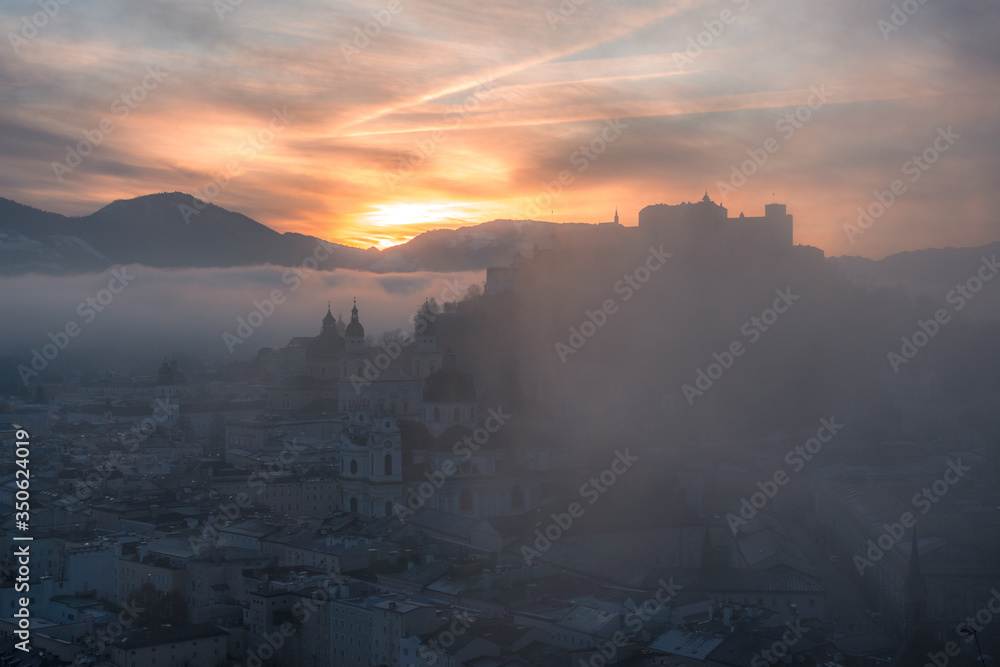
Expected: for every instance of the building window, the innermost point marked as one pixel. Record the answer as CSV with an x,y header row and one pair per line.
x,y
437,415
388,464
465,500
456,415
517,497
354,467
388,508
354,504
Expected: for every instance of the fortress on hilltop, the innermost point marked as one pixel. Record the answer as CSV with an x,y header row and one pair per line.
x,y
689,229
706,225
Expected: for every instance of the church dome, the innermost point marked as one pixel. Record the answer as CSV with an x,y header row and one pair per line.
x,y
354,328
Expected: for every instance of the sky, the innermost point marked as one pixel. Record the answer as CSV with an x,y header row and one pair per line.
x,y
368,122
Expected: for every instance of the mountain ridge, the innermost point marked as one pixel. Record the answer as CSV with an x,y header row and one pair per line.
x,y
152,230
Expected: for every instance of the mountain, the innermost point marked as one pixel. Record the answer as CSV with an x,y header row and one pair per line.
x,y
153,230
150,230
932,274
175,230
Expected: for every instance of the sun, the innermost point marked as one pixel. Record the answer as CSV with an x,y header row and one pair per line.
x,y
410,214
388,224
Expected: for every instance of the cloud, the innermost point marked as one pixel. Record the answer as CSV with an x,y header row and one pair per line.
x,y
511,93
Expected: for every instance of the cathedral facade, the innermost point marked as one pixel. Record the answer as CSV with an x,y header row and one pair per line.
x,y
410,418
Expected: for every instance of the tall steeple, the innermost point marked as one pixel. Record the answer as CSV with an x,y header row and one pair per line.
x,y
329,324
355,333
616,215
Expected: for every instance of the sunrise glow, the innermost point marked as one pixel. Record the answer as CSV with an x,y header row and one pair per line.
x,y
446,118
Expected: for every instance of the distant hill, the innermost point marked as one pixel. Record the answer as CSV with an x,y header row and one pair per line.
x,y
932,273
151,230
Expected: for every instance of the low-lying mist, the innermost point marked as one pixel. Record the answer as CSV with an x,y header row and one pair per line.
x,y
131,317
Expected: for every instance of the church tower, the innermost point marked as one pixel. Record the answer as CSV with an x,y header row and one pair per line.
x,y
329,324
354,334
616,215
